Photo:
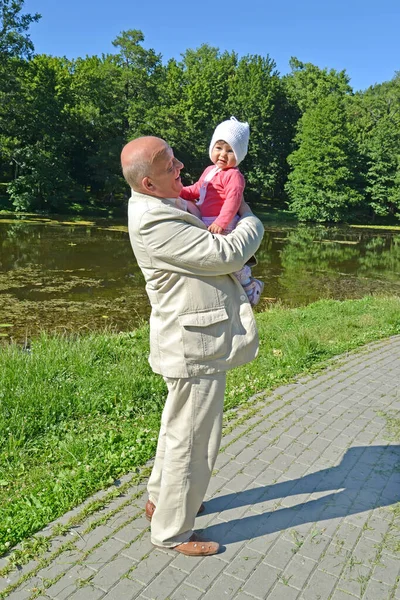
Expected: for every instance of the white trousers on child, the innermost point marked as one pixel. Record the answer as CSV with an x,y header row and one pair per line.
x,y
188,444
243,276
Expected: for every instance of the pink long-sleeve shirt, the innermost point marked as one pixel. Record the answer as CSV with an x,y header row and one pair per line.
x,y
223,196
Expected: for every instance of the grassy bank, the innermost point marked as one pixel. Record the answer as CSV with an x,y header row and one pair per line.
x,y
78,412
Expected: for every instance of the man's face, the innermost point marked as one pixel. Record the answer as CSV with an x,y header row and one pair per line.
x,y
165,177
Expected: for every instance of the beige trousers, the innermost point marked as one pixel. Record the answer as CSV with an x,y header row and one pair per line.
x,y
187,448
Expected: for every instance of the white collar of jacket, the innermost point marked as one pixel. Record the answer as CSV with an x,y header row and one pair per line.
x,y
139,196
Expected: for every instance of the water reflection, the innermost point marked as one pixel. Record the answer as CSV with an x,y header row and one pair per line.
x,y
58,275
303,264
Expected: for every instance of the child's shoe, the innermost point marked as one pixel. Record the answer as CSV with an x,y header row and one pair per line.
x,y
254,289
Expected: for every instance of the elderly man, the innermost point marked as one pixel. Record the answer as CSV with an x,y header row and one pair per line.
x,y
201,325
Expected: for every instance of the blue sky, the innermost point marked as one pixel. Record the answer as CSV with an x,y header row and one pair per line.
x,y
360,36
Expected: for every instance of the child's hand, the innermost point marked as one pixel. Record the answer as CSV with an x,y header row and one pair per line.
x,y
215,228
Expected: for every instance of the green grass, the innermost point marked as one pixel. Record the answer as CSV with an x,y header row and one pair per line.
x,y
269,213
77,412
383,227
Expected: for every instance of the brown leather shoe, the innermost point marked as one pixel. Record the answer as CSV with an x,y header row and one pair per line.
x,y
196,546
151,507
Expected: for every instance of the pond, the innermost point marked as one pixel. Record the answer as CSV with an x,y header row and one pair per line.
x,y
63,275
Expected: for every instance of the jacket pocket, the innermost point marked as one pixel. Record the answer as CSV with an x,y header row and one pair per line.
x,y
205,334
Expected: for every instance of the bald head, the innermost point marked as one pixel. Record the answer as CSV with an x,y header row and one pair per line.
x,y
138,158
149,167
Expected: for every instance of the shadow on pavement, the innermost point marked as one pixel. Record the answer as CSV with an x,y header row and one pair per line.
x,y
368,477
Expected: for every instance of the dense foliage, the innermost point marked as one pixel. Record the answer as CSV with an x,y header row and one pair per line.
x,y
316,146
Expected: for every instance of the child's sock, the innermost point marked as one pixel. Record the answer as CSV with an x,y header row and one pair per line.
x,y
254,290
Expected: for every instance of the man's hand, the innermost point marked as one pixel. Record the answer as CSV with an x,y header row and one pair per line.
x,y
244,208
215,228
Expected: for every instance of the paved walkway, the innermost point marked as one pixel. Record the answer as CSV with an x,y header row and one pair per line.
x,y
303,498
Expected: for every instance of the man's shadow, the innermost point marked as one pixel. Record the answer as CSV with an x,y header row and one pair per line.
x,y
368,477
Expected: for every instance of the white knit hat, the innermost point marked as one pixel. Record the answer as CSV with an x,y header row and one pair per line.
x,y
234,133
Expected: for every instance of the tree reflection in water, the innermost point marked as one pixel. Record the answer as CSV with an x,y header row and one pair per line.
x,y
57,275
312,262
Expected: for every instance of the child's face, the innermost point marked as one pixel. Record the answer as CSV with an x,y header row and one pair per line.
x,y
222,155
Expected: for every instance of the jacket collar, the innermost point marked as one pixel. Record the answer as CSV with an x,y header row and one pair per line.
x,y
139,196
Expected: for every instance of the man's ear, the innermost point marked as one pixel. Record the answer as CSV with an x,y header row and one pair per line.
x,y
147,184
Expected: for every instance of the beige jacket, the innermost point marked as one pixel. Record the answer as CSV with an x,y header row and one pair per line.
x,y
201,321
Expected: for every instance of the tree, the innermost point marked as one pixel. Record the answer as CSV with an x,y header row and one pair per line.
x,y
375,116
98,126
15,48
307,84
256,94
43,145
14,40
140,71
322,185
191,99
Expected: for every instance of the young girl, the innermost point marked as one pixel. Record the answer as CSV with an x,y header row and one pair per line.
x,y
219,190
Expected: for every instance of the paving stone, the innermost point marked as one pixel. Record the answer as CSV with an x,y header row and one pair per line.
x,y
254,468
334,560
261,581
365,550
295,470
164,584
340,595
214,486
238,483
222,460
87,592
111,573
237,447
148,568
126,514
244,563
347,535
103,554
139,548
397,592
245,456
387,570
69,583
376,589
87,541
229,471
315,544
186,592
126,589
354,579
319,586
206,572
22,594
359,519
285,591
54,570
280,554
299,570
224,587
127,534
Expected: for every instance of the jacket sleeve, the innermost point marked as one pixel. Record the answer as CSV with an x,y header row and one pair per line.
x,y
182,243
233,197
